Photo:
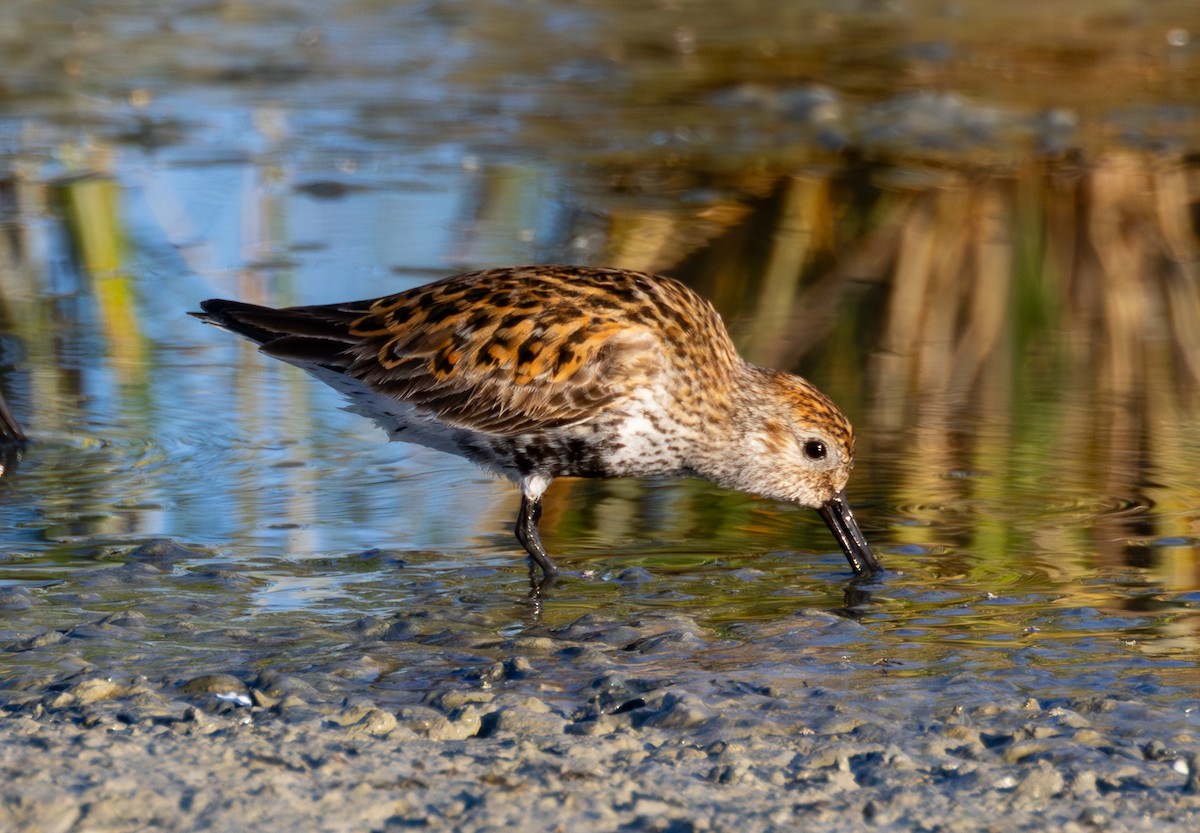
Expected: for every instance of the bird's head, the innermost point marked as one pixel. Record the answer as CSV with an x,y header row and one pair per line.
x,y
795,445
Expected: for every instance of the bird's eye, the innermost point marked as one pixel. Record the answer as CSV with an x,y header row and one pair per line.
x,y
814,450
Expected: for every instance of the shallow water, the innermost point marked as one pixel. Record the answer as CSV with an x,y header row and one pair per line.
x,y
1027,459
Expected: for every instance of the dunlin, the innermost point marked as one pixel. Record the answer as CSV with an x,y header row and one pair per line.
x,y
540,372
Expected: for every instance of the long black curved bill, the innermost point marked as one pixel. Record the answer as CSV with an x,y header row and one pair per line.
x,y
837,514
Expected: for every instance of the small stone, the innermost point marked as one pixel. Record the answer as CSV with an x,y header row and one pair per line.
x,y
1027,748
634,575
162,550
1041,784
532,645
133,574
293,705
374,722
214,684
602,725
280,685
651,808
15,599
263,700
679,710
95,689
1070,719
523,701
432,724
727,774
1084,783
379,723
41,640
1156,750
465,722
521,723
514,668
125,619
447,701
62,700
353,710
371,627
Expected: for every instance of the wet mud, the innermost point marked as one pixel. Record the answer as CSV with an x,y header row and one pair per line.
x,y
467,711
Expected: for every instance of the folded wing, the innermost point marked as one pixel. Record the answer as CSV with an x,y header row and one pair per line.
x,y
501,356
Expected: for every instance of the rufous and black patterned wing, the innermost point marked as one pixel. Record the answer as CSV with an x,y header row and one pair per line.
x,y
500,355
505,352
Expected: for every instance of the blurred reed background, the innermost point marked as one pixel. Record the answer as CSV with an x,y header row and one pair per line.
x,y
978,231
1010,342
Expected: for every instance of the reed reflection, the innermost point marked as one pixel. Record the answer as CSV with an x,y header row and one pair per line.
x,y
1018,342
1018,347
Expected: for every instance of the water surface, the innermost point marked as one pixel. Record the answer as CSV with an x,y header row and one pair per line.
x,y
998,284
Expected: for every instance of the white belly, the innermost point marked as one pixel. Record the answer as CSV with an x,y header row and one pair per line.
x,y
400,420
649,440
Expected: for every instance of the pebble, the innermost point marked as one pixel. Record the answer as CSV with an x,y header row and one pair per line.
x,y
15,600
371,627
448,701
432,724
132,574
162,551
281,685
214,684
1021,750
96,689
375,722
677,710
1043,783
532,645
41,640
519,722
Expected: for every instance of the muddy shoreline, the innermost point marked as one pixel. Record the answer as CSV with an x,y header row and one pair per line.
x,y
647,722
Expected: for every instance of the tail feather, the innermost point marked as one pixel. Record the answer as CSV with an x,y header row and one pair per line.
x,y
228,315
301,335
265,324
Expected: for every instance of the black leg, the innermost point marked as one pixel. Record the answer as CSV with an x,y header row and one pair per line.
x,y
531,539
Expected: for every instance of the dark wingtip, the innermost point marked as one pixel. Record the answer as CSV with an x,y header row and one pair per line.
x,y
204,316
220,309
230,316
298,333
213,310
